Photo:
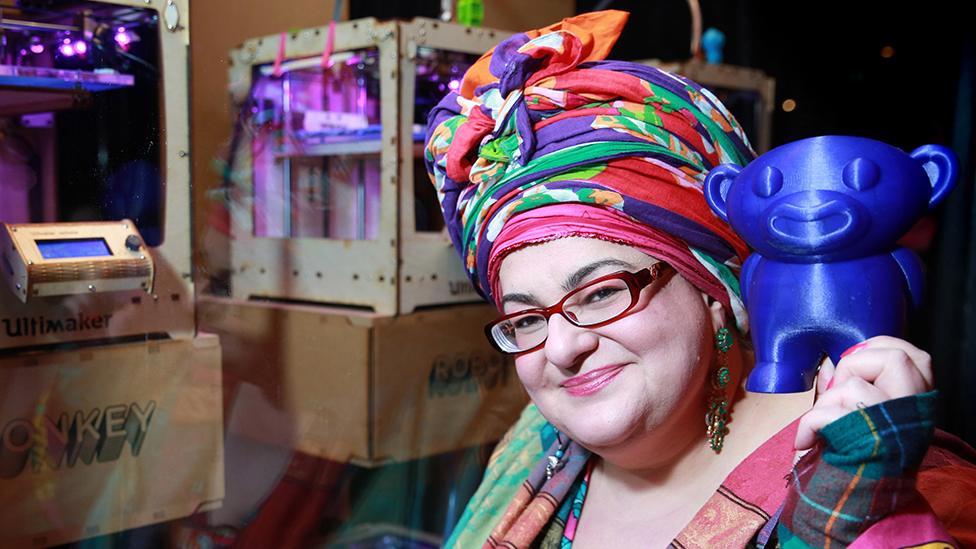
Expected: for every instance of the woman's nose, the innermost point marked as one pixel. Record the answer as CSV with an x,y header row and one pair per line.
x,y
566,343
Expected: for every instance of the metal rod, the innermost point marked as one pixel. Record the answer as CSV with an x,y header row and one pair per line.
x,y
286,186
286,164
15,24
361,199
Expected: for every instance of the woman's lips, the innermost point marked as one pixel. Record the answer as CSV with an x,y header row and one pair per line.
x,y
592,381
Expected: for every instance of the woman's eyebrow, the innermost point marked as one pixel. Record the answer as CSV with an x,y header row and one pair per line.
x,y
571,282
525,299
574,280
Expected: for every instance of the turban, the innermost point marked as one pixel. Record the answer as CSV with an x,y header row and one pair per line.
x,y
622,148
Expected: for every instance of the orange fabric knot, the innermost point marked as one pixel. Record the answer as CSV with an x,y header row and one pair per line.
x,y
597,32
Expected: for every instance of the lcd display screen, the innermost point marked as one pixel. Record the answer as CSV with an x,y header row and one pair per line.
x,y
73,247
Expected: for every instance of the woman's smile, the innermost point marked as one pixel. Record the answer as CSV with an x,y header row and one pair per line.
x,y
593,381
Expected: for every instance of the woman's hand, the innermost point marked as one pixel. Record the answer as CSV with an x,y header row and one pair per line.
x,y
879,369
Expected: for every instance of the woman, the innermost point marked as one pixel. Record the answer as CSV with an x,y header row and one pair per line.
x,y
572,188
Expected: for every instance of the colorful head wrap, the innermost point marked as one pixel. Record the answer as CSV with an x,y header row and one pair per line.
x,y
541,120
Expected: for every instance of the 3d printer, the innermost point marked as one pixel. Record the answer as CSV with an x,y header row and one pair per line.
x,y
102,373
93,144
330,201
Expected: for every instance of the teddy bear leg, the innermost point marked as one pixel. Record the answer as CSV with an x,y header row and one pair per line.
x,y
789,366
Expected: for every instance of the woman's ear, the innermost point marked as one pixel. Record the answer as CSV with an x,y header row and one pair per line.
x,y
717,311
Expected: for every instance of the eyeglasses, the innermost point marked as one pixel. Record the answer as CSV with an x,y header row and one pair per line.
x,y
592,305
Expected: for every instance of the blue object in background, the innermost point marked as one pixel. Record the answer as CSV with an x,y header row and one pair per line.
x,y
712,41
73,248
823,215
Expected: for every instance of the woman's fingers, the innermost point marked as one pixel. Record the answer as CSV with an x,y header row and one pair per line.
x,y
841,399
824,374
878,369
851,394
899,370
812,421
917,354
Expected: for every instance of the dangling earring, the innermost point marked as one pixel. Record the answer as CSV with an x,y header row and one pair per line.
x,y
717,417
555,462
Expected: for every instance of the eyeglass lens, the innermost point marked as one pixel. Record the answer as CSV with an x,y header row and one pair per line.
x,y
586,306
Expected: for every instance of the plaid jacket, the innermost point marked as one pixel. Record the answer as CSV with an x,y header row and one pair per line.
x,y
859,486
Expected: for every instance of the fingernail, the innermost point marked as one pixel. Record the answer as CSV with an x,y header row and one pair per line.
x,y
830,383
854,349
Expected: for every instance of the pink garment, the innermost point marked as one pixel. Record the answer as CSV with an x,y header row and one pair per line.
x,y
573,219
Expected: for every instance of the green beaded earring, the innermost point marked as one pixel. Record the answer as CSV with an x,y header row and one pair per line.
x,y
717,417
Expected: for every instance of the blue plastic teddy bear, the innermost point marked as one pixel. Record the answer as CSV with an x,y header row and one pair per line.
x,y
823,216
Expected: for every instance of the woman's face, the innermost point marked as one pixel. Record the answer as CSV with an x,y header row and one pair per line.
x,y
639,378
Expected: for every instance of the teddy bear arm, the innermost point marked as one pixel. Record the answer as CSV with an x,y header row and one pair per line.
x,y
911,268
745,277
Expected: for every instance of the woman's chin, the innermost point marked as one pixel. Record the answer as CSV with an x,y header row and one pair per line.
x,y
599,428
601,442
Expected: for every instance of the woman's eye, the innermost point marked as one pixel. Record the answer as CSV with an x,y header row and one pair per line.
x,y
527,323
602,294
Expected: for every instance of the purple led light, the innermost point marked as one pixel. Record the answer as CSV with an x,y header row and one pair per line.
x,y
67,50
454,84
35,45
123,39
81,48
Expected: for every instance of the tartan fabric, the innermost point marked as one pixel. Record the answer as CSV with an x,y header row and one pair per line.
x,y
862,470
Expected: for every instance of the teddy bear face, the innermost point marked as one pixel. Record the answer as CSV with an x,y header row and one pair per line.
x,y
828,198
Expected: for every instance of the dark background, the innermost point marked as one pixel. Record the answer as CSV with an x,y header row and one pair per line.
x,y
824,55
827,57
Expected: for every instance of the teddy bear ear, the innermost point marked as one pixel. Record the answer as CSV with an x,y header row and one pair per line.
x,y
717,184
942,167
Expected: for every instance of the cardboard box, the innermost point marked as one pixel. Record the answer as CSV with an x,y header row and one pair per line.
x,y
103,439
366,388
